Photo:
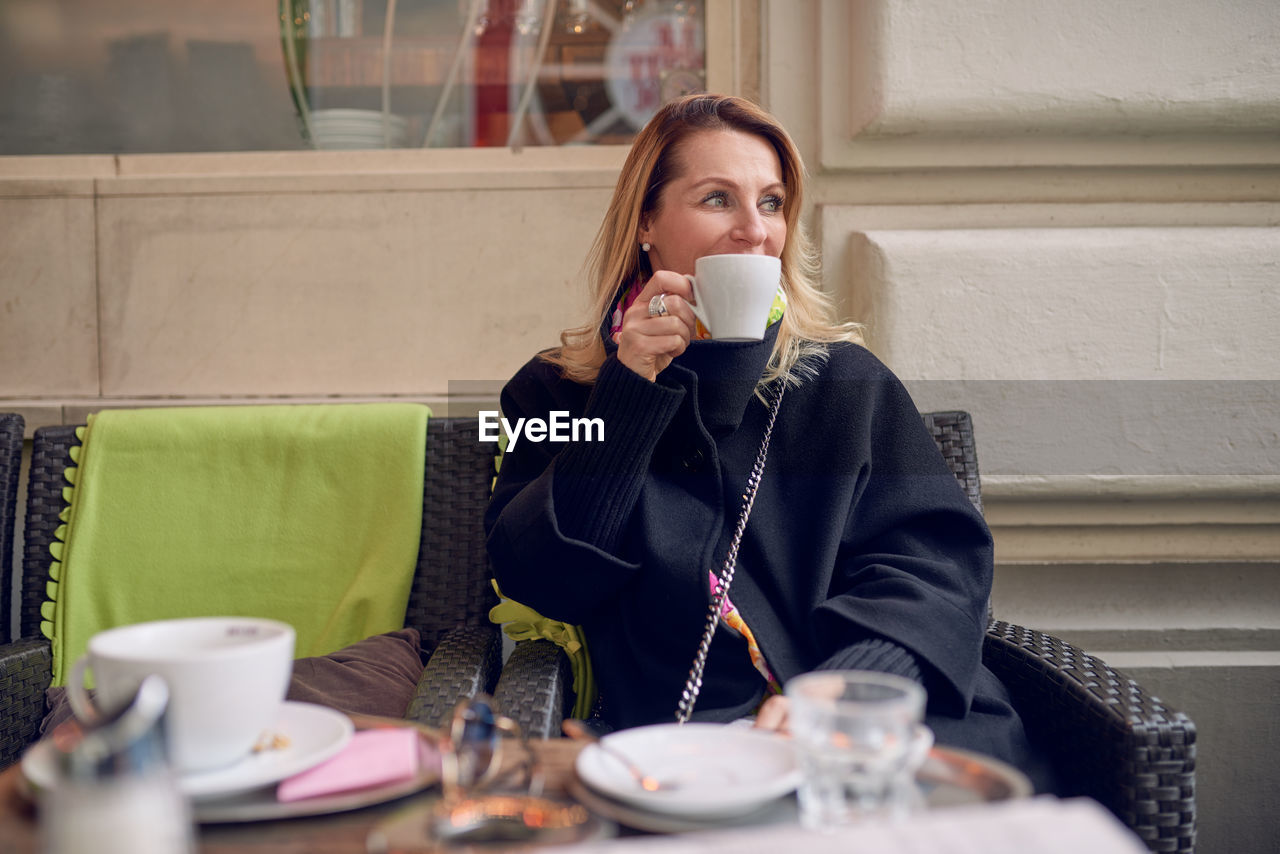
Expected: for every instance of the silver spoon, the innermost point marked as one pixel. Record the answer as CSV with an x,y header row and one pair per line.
x,y
579,731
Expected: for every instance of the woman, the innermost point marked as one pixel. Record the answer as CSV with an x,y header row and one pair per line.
x,y
860,550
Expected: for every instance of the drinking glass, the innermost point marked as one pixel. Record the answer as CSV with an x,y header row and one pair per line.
x,y
856,734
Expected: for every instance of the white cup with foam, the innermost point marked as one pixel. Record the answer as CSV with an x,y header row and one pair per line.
x,y
227,679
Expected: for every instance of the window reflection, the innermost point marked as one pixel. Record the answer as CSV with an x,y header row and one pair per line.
x,y
83,76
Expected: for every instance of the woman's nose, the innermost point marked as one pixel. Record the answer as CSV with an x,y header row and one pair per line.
x,y
749,228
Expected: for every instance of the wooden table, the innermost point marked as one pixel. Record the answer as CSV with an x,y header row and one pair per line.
x,y
1043,825
342,833
960,777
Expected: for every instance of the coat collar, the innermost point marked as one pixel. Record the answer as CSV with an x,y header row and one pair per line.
x,y
720,375
725,375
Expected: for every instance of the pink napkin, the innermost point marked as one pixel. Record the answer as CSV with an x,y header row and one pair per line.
x,y
373,757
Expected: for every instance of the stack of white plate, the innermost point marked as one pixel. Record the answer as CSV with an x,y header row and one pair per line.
x,y
709,775
348,128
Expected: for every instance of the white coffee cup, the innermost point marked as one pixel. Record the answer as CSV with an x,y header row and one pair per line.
x,y
734,294
227,678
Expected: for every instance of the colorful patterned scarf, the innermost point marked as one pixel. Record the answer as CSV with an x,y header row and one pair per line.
x,y
730,616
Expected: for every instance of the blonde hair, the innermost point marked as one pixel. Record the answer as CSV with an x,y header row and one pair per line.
x,y
615,260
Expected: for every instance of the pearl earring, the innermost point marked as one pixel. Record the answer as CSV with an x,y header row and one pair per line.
x,y
644,247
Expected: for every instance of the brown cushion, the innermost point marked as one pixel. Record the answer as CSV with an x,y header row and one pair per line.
x,y
375,676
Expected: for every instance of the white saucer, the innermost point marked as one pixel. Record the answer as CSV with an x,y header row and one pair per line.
x,y
719,770
314,734
262,804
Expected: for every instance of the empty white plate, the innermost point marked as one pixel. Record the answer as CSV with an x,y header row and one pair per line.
x,y
716,770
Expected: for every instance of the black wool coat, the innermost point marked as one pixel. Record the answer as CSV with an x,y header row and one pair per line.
x,y
861,551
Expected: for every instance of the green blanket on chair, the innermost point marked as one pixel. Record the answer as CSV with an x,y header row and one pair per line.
x,y
310,514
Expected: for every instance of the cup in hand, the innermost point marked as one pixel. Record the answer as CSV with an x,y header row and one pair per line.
x,y
857,734
734,294
227,678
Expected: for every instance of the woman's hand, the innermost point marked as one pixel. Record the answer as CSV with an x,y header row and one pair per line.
x,y
773,715
647,344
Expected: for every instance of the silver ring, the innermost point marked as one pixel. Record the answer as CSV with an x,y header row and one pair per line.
x,y
658,306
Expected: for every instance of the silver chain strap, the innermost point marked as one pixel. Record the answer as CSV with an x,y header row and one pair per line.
x,y
693,685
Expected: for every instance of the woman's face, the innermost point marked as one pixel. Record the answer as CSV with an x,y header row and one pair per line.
x,y
727,198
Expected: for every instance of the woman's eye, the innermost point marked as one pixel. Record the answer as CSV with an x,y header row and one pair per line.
x,y
716,199
772,204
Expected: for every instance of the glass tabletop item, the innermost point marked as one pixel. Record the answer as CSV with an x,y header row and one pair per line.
x,y
859,739
471,823
707,770
491,793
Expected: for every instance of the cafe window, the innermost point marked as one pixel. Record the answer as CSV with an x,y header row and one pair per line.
x,y
135,76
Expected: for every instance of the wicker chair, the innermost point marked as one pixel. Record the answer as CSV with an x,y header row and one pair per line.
x,y
11,425
1109,739
448,603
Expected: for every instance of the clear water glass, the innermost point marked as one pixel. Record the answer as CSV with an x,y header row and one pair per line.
x,y
858,736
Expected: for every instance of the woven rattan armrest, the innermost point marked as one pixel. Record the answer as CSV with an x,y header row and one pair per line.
x,y
465,663
11,429
536,688
26,668
50,456
1109,739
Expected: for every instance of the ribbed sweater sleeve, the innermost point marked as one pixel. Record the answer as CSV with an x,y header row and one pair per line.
x,y
875,654
597,483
